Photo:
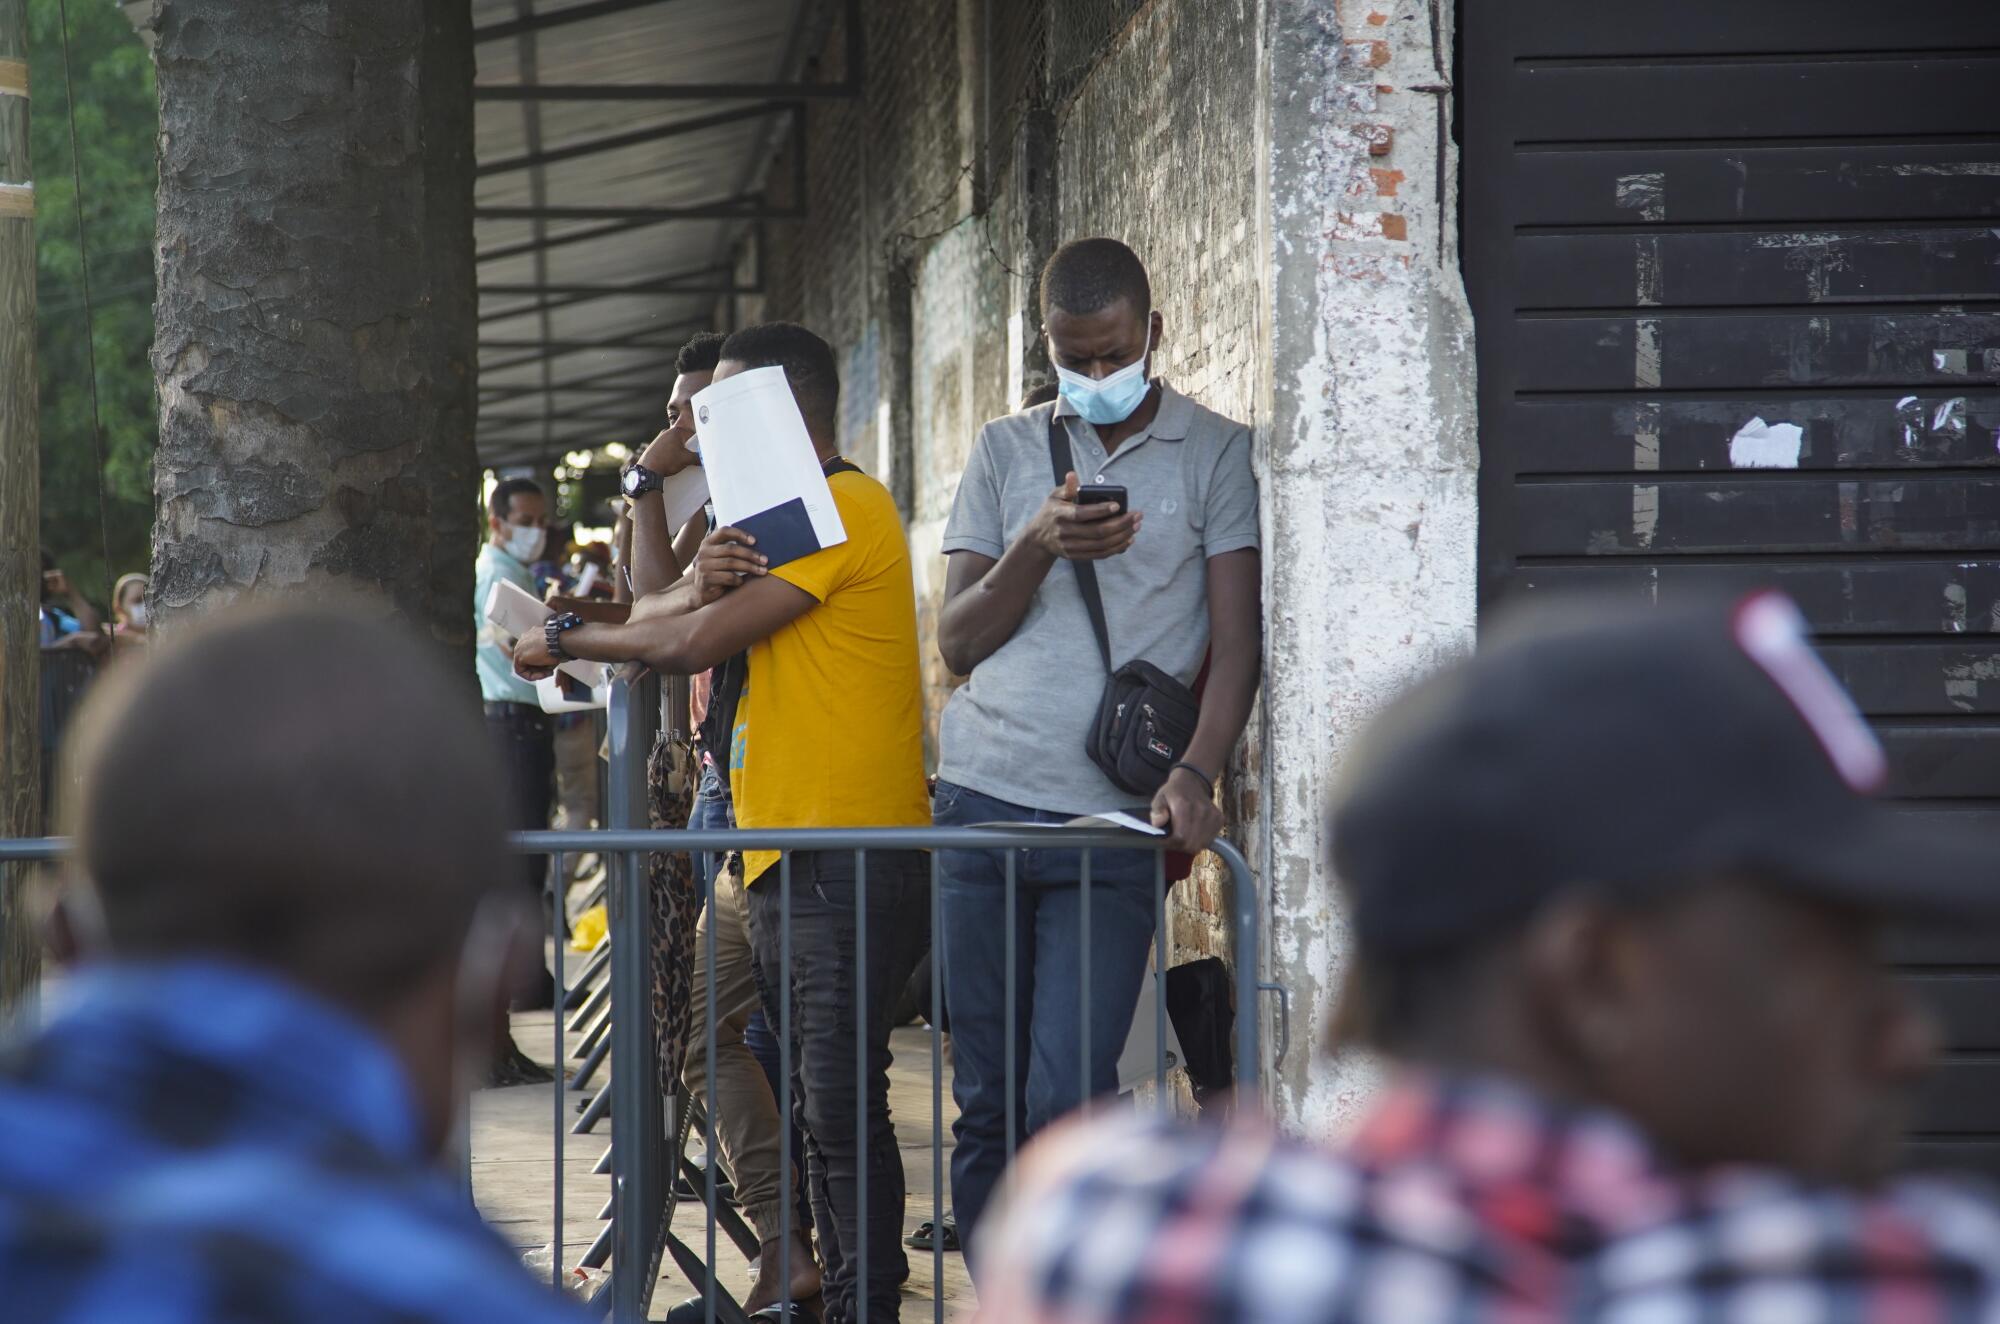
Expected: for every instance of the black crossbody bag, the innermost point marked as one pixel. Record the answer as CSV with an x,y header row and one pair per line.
x,y
1146,719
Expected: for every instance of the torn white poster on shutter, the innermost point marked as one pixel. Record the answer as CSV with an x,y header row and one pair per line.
x,y
1761,445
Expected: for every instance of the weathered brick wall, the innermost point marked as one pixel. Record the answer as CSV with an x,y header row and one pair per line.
x,y
916,212
1158,148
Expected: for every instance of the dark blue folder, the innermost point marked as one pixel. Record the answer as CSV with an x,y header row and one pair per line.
x,y
783,533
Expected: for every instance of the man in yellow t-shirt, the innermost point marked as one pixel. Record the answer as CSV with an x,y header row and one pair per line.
x,y
830,729
829,733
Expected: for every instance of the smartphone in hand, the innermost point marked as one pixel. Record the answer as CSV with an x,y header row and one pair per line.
x,y
1098,494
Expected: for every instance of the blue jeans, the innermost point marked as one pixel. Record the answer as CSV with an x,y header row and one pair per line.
x,y
1050,1000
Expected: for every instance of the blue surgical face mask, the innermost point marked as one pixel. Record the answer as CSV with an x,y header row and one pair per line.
x,y
1108,400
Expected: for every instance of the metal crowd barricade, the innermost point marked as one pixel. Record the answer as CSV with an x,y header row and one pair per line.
x,y
643,1160
640,1165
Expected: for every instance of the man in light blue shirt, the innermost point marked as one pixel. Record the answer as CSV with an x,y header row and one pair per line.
x,y
517,521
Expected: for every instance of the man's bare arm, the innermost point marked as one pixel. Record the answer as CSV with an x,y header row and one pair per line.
x,y
678,644
1186,805
985,600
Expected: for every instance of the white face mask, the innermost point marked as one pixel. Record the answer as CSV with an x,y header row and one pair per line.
x,y
525,544
137,615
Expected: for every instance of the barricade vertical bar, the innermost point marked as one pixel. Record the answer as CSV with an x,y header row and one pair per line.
x,y
1086,1081
1160,977
636,1132
629,1023
861,1081
708,1112
556,1086
937,1097
785,1185
1011,995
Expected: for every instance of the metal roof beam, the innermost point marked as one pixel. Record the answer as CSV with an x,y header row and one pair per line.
x,y
635,407
555,445
647,215
594,379
633,138
496,395
626,418
555,349
527,246
521,27
664,91
565,346
612,291
700,281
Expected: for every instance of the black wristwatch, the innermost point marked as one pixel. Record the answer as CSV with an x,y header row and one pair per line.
x,y
553,633
635,480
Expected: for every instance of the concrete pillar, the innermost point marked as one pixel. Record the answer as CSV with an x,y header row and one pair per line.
x,y
1368,456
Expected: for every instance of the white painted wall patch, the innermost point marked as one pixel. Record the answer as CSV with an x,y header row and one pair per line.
x,y
1761,445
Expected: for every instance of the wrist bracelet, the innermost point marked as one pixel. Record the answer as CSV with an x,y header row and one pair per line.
x,y
1204,778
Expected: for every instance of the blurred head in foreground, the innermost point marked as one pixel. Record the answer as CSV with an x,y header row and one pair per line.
x,y
1631,857
1616,888
303,793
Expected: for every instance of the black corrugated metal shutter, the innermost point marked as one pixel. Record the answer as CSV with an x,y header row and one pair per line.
x,y
1735,269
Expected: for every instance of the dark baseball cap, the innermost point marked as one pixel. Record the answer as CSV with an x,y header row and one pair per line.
x,y
1629,751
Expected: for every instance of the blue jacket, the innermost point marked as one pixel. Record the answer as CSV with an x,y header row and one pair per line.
x,y
198,1142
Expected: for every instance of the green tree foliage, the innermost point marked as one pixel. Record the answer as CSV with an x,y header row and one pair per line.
x,y
117,121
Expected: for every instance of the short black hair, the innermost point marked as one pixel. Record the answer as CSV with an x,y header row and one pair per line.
x,y
1040,395
1089,275
808,363
504,492
701,353
355,872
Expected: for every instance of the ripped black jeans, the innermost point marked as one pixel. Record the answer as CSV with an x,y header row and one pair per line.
x,y
826,1048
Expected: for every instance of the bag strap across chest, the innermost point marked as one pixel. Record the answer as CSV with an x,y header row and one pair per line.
x,y
1063,460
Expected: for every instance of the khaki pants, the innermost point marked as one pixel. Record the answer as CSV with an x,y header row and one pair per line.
x,y
576,776
746,1115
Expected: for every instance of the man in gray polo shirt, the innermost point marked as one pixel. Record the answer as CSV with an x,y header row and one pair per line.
x,y
1180,581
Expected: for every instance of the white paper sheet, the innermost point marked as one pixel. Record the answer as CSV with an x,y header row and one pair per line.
x,y
1119,818
684,494
554,701
1110,818
758,458
512,611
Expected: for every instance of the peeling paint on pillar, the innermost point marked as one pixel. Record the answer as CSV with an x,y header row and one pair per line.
x,y
1368,462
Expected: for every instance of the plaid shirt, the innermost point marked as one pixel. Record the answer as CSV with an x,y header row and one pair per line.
x,y
1461,1201
191,1142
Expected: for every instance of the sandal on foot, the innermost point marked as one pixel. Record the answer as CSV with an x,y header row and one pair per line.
x,y
921,1238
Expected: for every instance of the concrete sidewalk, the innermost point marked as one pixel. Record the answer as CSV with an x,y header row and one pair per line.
x,y
512,1169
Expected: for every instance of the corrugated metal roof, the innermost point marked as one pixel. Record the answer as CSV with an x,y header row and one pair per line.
x,y
608,154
